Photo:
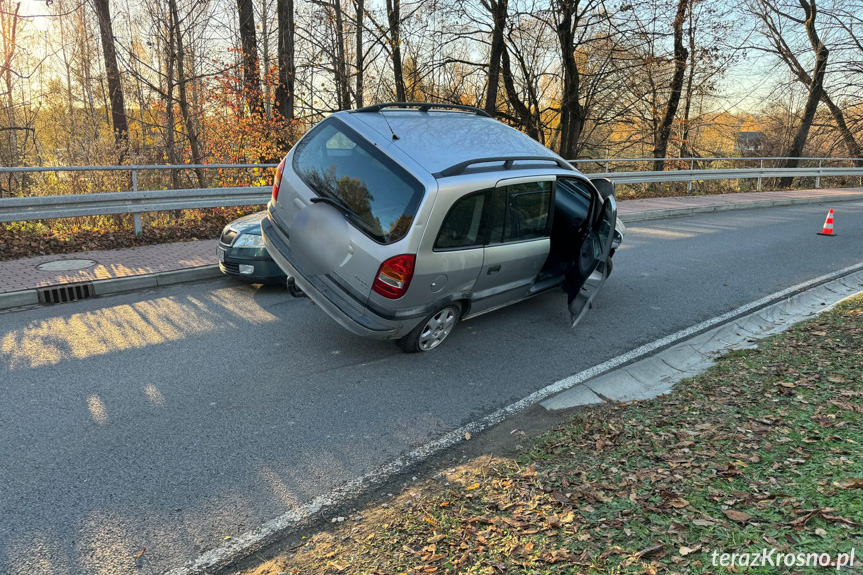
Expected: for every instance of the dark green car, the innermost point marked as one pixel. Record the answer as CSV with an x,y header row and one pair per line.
x,y
242,253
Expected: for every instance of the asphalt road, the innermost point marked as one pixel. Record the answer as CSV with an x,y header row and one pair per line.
x,y
170,419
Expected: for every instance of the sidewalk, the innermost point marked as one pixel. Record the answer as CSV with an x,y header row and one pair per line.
x,y
148,266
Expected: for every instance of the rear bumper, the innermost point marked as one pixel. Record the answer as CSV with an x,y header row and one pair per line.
x,y
324,296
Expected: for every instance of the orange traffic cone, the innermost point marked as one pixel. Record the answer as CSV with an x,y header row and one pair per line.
x,y
827,230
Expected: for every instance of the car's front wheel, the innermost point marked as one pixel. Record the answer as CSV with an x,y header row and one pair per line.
x,y
432,331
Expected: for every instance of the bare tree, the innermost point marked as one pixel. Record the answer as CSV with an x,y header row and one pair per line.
x,y
663,132
251,70
360,11
287,67
768,12
781,47
395,38
183,101
498,11
112,73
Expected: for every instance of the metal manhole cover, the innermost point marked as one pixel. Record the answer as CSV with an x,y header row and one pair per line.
x,y
66,265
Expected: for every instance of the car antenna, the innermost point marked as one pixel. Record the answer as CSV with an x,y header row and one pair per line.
x,y
388,125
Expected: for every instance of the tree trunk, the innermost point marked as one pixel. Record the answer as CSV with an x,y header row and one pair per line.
x,y
191,129
498,10
341,64
112,73
287,71
571,111
816,90
360,55
521,110
680,54
394,18
781,48
684,144
251,70
170,136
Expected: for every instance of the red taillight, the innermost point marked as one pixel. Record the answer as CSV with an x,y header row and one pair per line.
x,y
394,276
277,181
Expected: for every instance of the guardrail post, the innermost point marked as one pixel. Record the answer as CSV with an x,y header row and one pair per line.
x,y
759,175
139,224
691,168
818,177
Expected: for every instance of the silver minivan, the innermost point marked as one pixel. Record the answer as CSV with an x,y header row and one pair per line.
x,y
401,219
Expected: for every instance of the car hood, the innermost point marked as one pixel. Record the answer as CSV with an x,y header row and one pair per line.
x,y
250,224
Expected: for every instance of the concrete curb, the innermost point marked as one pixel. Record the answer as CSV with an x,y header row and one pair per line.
x,y
657,374
687,211
119,285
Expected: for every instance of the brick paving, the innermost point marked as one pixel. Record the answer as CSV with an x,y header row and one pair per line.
x,y
22,274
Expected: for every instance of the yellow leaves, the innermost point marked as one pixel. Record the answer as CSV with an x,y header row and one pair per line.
x,y
431,521
472,487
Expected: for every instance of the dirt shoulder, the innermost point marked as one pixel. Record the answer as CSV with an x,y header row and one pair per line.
x,y
762,452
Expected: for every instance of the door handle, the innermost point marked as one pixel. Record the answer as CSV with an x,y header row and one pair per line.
x,y
493,270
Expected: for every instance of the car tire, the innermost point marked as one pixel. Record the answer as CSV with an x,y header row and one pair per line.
x,y
609,266
431,331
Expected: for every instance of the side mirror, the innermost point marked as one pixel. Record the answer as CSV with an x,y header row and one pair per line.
x,y
604,186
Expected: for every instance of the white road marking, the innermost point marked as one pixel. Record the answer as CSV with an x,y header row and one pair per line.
x,y
242,545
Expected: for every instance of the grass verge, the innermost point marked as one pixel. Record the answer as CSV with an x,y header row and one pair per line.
x,y
762,451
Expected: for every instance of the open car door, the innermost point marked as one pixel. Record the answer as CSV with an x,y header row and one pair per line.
x,y
587,270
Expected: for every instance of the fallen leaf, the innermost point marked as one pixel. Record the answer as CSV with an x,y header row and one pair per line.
x,y
472,487
684,551
649,551
850,483
678,503
738,516
703,522
140,553
559,497
467,435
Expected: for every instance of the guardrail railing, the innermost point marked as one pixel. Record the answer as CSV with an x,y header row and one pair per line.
x,y
137,202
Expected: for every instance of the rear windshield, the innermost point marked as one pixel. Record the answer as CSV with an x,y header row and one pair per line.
x,y
338,163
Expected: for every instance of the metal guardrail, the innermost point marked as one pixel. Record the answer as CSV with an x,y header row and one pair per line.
x,y
101,204
136,202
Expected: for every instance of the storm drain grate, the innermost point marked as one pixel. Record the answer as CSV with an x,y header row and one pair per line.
x,y
66,293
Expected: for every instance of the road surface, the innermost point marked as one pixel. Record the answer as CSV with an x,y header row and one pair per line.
x,y
170,419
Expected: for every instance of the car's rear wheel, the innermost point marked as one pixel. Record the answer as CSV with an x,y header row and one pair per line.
x,y
432,331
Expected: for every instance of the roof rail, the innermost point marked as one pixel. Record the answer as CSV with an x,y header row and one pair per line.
x,y
422,107
507,164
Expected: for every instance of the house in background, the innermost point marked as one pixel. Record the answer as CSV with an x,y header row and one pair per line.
x,y
751,143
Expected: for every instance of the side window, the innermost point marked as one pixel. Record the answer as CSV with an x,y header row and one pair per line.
x,y
521,212
465,224
573,200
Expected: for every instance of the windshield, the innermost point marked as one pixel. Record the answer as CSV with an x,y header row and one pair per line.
x,y
338,163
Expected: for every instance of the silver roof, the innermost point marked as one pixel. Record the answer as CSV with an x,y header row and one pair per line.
x,y
437,140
